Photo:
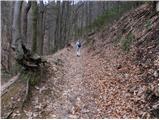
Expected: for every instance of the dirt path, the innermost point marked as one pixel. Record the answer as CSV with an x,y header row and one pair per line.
x,y
65,107
72,103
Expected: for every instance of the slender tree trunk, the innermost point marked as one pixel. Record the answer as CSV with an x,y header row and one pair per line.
x,y
62,24
41,27
16,30
25,21
67,16
10,58
57,30
34,25
16,27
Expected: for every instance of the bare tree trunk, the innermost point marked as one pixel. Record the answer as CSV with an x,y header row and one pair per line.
x,y
62,24
41,27
34,25
6,33
25,14
66,22
57,30
23,56
16,31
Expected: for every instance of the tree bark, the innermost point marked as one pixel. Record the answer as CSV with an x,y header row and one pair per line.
x,y
16,30
25,15
57,30
34,26
41,27
16,27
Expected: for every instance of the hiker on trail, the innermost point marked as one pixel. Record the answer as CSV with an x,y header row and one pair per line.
x,y
78,46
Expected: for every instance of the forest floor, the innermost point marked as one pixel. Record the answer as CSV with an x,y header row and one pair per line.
x,y
88,86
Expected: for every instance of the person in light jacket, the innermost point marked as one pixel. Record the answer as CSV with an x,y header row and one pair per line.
x,y
78,46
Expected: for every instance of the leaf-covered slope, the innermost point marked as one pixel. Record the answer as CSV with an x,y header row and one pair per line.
x,y
135,38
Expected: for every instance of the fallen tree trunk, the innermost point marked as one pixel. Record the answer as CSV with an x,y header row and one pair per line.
x,y
9,83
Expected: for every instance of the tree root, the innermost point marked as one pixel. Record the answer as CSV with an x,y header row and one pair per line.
x,y
29,60
31,81
27,92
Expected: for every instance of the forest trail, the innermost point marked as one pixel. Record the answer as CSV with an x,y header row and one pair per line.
x,y
70,90
73,99
65,105
88,86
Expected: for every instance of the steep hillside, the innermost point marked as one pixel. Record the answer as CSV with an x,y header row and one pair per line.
x,y
135,38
